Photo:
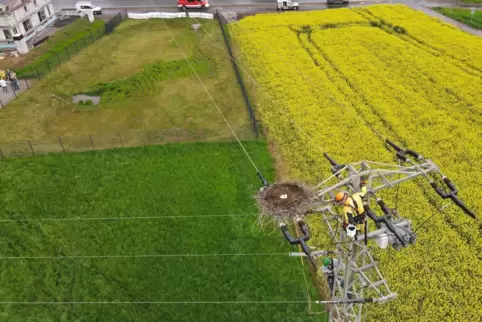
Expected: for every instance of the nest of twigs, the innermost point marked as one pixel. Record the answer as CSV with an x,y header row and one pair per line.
x,y
284,200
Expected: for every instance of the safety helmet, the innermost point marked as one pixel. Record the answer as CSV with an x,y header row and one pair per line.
x,y
326,261
340,196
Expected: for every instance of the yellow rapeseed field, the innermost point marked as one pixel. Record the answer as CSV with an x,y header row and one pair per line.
x,y
339,81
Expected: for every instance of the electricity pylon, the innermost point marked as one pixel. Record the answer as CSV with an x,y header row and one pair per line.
x,y
354,277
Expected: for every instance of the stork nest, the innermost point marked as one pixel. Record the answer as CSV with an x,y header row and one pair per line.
x,y
284,200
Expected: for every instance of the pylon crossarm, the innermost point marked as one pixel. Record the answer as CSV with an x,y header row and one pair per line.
x,y
377,179
346,301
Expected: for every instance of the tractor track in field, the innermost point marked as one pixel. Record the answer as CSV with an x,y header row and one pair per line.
x,y
466,67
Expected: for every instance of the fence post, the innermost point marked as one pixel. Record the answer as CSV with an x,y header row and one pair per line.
x,y
38,75
84,42
61,144
91,142
1,154
149,136
76,48
91,36
67,51
120,138
58,59
48,65
31,148
26,82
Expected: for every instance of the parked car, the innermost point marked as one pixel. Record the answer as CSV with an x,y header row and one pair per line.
x,y
286,5
337,1
83,6
192,4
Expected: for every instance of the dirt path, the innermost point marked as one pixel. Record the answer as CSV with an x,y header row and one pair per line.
x,y
10,95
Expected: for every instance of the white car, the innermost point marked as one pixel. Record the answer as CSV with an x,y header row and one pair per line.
x,y
287,5
85,6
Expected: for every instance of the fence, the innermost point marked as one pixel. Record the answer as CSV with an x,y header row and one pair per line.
x,y
69,144
39,70
222,22
170,15
115,21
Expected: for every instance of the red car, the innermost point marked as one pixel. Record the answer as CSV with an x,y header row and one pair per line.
x,y
190,4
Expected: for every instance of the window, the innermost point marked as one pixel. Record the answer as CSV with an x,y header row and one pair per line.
x,y
48,10
15,31
27,24
25,8
85,7
7,34
41,15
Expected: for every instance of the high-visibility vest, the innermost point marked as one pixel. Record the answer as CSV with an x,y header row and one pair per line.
x,y
354,204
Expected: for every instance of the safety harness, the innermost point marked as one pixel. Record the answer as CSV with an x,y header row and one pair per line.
x,y
359,218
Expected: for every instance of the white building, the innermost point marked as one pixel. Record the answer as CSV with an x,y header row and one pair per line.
x,y
21,20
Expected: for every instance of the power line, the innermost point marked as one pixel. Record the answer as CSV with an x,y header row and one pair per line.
x,y
123,218
301,74
212,99
310,81
143,256
150,302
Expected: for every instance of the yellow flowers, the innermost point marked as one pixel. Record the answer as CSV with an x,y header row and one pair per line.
x,y
340,81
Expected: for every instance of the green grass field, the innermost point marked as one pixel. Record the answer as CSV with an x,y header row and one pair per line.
x,y
463,15
168,182
145,85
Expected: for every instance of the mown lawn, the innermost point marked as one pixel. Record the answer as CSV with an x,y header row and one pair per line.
x,y
463,15
169,182
144,84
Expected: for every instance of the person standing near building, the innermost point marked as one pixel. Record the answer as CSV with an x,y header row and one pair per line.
x,y
13,79
3,85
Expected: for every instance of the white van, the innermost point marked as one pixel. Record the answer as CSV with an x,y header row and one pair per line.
x,y
84,6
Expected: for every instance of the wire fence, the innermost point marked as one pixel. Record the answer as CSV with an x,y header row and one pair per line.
x,y
39,70
222,22
69,144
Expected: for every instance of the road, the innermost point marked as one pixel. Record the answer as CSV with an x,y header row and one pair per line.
x,y
245,4
214,3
